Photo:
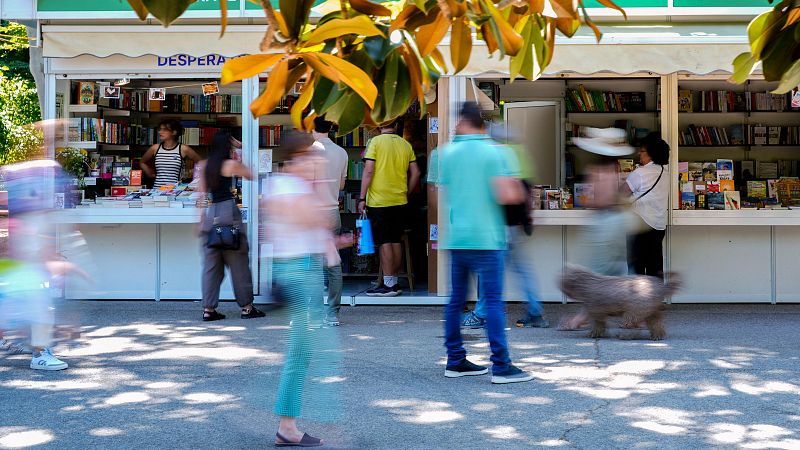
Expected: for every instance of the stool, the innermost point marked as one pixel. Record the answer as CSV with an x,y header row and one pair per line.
x,y
406,249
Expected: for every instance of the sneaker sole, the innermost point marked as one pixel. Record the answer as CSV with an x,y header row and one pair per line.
x,y
50,368
502,380
454,374
388,294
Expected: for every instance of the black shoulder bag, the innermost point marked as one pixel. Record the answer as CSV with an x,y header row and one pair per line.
x,y
224,237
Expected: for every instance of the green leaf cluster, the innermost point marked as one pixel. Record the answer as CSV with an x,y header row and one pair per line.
x,y
774,42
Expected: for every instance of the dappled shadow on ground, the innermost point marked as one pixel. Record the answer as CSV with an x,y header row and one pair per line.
x,y
145,375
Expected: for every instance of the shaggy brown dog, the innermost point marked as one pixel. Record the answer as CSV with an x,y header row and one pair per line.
x,y
636,298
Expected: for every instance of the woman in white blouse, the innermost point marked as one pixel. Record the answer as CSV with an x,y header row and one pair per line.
x,y
649,186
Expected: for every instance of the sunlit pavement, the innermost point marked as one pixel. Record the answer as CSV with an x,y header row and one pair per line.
x,y
153,376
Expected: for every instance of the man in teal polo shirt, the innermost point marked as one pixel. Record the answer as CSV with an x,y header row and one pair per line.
x,y
477,180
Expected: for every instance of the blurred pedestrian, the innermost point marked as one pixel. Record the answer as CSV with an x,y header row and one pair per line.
x,y
477,180
518,258
649,185
390,174
299,230
327,185
218,173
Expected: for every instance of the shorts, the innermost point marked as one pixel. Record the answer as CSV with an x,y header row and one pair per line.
x,y
388,223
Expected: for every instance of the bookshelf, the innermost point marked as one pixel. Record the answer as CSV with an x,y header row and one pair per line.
x,y
745,126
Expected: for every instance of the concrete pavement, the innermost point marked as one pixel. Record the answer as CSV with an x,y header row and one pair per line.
x,y
152,376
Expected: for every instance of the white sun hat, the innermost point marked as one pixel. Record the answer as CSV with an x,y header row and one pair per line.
x,y
605,141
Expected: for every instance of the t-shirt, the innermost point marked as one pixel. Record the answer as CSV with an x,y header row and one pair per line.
x,y
475,221
287,239
653,207
392,155
327,184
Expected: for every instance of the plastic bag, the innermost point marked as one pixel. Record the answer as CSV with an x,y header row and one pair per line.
x,y
366,246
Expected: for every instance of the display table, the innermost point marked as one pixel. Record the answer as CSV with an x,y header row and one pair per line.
x,y
136,253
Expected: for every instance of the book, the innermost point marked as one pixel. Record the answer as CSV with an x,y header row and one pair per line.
x,y
625,167
726,185
583,195
757,189
748,169
567,200
759,135
695,171
683,171
552,199
724,169
684,100
774,136
715,200
772,189
709,171
766,169
737,135
687,200
136,177
732,200
86,93
712,186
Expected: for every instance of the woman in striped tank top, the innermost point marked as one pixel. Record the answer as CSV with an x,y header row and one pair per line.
x,y
168,155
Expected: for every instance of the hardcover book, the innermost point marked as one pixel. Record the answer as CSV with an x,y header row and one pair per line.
x,y
695,170
715,200
732,200
724,169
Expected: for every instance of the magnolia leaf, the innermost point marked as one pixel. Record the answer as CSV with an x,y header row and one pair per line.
x,y
313,60
430,35
612,5
369,8
460,43
522,62
300,104
284,29
568,27
790,79
166,11
402,19
421,5
237,69
743,67
512,41
360,25
565,8
777,55
352,114
540,46
438,58
536,6
326,94
352,76
414,72
223,17
378,48
139,7
488,37
550,42
760,31
420,20
274,92
295,12
457,8
308,122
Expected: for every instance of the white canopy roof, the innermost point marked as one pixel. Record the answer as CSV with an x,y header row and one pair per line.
x,y
625,48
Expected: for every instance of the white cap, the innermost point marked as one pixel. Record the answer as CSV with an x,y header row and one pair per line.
x,y
605,141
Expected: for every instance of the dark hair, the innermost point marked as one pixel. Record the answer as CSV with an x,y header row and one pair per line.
x,y
236,133
656,148
471,113
220,151
295,143
321,125
172,125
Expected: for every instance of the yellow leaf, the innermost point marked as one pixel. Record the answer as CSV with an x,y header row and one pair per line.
x,y
237,69
430,35
308,122
460,43
139,7
302,101
312,59
438,58
457,8
793,18
512,41
567,26
361,25
565,8
550,40
403,18
536,6
369,8
488,37
415,72
281,23
352,76
223,17
597,33
275,90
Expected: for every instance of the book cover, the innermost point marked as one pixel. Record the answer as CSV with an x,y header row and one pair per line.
x,y
567,200
709,171
726,185
715,200
552,199
757,189
119,192
766,169
748,169
695,170
737,135
774,136
725,169
136,177
712,186
732,200
759,135
683,171
86,90
687,200
684,100
772,189
584,195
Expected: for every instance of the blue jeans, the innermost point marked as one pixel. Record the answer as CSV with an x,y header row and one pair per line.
x,y
488,266
521,265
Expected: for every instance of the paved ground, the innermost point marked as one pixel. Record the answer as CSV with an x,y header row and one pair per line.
x,y
150,376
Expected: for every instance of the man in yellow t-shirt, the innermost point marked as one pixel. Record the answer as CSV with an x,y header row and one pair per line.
x,y
390,173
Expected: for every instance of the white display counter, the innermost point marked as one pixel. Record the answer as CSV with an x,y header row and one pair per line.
x,y
141,254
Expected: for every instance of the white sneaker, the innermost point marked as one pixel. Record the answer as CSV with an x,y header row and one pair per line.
x,y
46,361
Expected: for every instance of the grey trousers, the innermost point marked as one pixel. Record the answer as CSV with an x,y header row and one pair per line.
x,y
334,274
215,260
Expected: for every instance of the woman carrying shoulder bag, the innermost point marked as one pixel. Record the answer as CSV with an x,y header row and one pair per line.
x,y
222,234
649,186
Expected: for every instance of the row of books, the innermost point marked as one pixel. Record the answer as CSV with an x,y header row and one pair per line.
x,y
270,135
724,101
740,135
726,169
138,100
355,169
753,194
357,138
348,202
581,99
101,130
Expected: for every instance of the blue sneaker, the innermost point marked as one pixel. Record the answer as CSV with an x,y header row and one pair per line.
x,y
473,321
512,374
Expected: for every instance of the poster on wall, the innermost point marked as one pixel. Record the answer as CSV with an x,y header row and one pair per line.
x,y
111,92
158,94
211,88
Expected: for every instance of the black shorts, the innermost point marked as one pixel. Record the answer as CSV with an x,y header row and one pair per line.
x,y
388,223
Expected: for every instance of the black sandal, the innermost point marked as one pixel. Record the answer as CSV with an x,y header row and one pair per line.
x,y
253,314
210,316
306,441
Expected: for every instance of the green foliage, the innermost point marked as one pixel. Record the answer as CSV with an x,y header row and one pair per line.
x,y
19,103
14,47
775,42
